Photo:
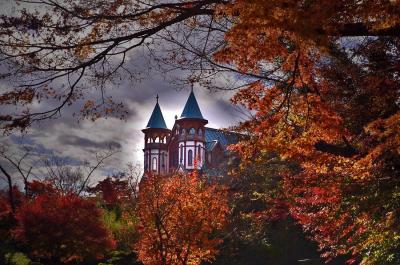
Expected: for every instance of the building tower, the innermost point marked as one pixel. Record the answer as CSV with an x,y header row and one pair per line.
x,y
156,135
191,135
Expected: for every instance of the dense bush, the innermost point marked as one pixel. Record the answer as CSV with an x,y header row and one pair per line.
x,y
64,228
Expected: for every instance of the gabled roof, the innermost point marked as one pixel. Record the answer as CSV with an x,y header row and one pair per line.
x,y
192,109
156,120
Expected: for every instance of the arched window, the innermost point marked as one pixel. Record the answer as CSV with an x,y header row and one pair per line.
x,y
163,160
154,164
181,158
200,132
192,131
183,132
190,158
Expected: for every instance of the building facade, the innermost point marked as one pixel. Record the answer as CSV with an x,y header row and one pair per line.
x,y
189,145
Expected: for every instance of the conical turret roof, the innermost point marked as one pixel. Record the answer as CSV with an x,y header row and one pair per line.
x,y
157,119
191,109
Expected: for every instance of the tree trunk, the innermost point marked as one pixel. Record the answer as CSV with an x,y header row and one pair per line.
x,y
10,189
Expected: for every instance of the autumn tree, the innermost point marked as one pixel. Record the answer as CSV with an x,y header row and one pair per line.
x,y
179,218
335,113
113,191
77,42
20,163
62,228
76,179
120,188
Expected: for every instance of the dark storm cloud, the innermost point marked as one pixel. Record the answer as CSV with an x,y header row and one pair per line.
x,y
87,143
23,143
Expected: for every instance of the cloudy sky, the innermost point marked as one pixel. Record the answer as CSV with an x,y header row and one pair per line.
x,y
78,141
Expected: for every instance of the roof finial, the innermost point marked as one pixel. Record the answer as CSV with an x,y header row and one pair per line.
x,y
192,84
157,97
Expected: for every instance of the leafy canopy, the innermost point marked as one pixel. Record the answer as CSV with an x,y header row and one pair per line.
x,y
178,219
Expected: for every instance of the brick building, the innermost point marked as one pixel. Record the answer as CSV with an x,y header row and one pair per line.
x,y
188,144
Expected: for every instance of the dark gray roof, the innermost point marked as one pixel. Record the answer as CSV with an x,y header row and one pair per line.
x,y
222,137
157,120
191,109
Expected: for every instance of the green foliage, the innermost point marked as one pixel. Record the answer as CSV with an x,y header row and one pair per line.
x,y
112,219
122,224
17,258
381,250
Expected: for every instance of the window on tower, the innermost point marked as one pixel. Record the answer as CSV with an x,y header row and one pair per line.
x,y
200,132
192,131
190,158
154,164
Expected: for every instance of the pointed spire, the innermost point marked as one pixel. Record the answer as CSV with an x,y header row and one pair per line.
x,y
191,109
157,119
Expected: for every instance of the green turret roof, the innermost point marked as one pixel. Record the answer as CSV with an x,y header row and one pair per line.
x,y
156,120
192,109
